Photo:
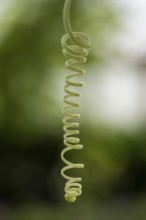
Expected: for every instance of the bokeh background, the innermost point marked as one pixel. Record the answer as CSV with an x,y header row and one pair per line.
x,y
113,113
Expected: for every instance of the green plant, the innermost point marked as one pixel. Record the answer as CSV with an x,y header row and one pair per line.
x,y
75,48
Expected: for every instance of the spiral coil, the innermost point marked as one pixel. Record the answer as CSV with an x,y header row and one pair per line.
x,y
75,49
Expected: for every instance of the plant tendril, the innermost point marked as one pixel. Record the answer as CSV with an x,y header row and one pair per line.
x,y
75,48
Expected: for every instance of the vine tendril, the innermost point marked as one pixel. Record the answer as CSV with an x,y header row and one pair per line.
x,y
75,48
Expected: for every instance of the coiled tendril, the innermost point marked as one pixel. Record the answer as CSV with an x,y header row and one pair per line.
x,y
75,48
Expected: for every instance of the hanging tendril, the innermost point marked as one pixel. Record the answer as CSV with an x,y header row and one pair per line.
x,y
75,48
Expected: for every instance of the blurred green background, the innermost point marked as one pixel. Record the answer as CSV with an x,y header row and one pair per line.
x,y
31,92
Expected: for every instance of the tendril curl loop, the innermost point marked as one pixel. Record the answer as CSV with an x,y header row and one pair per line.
x,y
75,48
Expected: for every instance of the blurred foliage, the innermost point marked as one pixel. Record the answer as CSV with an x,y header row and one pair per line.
x,y
26,57
28,53
31,64
113,210
118,161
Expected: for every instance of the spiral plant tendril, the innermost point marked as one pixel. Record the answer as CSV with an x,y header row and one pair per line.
x,y
75,48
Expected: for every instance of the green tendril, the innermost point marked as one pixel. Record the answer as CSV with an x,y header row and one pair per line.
x,y
75,48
